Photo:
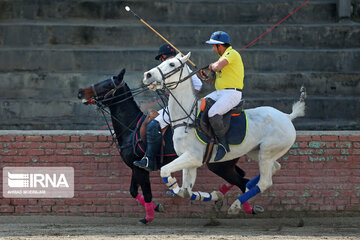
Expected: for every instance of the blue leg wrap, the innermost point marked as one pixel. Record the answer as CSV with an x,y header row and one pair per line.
x,y
207,199
249,194
252,183
165,179
193,197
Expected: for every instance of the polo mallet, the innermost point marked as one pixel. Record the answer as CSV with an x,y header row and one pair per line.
x,y
127,8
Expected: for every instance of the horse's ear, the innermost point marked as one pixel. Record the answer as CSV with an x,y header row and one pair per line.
x,y
186,57
121,74
178,56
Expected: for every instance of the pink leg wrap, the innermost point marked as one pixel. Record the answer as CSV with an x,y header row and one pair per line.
x,y
247,208
225,188
140,199
149,208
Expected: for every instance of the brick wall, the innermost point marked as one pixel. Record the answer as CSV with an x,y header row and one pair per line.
x,y
320,175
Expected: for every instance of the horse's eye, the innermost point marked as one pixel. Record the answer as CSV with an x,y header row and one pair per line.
x,y
172,64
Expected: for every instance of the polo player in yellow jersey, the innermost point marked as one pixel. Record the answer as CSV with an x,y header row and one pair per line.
x,y
228,84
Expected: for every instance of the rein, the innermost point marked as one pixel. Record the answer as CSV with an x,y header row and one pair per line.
x,y
173,85
175,70
101,106
134,92
126,128
188,115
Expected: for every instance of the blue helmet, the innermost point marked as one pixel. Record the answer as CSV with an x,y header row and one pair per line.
x,y
219,37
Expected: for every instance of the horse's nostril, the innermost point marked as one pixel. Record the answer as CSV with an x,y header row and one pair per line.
x,y
148,75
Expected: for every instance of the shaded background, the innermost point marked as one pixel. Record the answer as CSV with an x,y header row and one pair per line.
x,y
48,49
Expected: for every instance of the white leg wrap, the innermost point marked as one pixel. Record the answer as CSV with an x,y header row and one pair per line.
x,y
176,190
201,196
205,197
172,184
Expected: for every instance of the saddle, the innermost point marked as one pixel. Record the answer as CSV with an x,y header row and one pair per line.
x,y
204,123
235,122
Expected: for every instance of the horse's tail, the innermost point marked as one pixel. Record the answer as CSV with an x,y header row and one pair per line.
x,y
298,108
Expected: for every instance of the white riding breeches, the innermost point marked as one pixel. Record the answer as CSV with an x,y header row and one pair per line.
x,y
163,117
225,99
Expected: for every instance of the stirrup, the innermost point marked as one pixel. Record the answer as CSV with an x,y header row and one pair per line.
x,y
145,165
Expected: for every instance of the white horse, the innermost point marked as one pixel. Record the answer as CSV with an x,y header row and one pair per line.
x,y
269,136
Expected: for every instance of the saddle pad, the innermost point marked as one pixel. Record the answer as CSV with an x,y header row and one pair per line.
x,y
236,133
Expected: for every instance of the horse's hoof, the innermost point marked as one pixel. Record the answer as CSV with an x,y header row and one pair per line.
x,y
220,199
186,194
235,208
171,193
143,222
159,208
301,223
212,223
258,209
217,195
219,204
183,193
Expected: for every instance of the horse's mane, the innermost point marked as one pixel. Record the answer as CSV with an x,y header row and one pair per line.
x,y
125,113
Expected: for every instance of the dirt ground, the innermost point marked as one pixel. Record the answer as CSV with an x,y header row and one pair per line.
x,y
91,228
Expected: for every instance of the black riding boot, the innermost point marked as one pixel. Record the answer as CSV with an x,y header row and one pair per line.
x,y
220,130
153,136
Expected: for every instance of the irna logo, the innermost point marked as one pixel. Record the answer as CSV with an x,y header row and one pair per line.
x,y
20,180
38,182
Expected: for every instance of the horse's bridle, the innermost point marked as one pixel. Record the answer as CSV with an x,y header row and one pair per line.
x,y
169,74
112,91
173,85
175,70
